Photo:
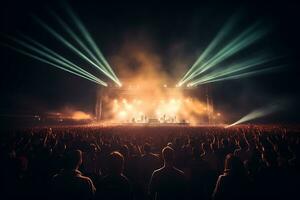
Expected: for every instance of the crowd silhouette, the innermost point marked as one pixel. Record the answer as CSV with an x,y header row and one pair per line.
x,y
150,163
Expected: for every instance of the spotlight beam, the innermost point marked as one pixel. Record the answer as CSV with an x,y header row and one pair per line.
x,y
69,45
61,58
216,41
74,36
258,113
50,63
233,69
239,76
245,39
89,39
57,61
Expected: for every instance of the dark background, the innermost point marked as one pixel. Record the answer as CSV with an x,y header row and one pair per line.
x,y
30,87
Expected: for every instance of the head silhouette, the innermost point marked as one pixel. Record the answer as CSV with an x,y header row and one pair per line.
x,y
115,163
73,159
168,155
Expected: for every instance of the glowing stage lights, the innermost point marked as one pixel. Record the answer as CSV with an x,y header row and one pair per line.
x,y
166,110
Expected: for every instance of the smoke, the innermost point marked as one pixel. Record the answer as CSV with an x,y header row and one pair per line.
x,y
143,74
69,113
79,115
138,63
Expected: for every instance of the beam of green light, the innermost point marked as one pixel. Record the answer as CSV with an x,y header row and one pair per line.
x,y
225,30
243,75
42,53
238,76
245,39
52,64
232,69
74,36
89,39
61,58
69,45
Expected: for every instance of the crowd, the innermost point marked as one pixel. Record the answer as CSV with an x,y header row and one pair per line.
x,y
147,163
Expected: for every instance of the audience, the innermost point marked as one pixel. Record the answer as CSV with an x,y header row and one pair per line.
x,y
114,185
136,162
167,182
70,183
233,183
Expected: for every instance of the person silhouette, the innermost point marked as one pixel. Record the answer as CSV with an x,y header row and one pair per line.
x,y
167,182
70,183
115,184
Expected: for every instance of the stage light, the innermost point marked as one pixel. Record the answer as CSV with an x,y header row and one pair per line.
x,y
211,58
69,45
53,64
244,75
77,39
158,113
245,39
225,30
258,113
100,63
237,70
52,55
122,114
85,33
128,107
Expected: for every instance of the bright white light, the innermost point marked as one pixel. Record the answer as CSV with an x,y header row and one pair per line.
x,y
128,107
122,114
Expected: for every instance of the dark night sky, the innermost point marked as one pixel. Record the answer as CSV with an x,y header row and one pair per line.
x,y
28,86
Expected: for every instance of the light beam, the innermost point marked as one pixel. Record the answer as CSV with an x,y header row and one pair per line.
x,y
77,39
69,45
61,58
89,39
225,30
258,113
246,38
51,63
